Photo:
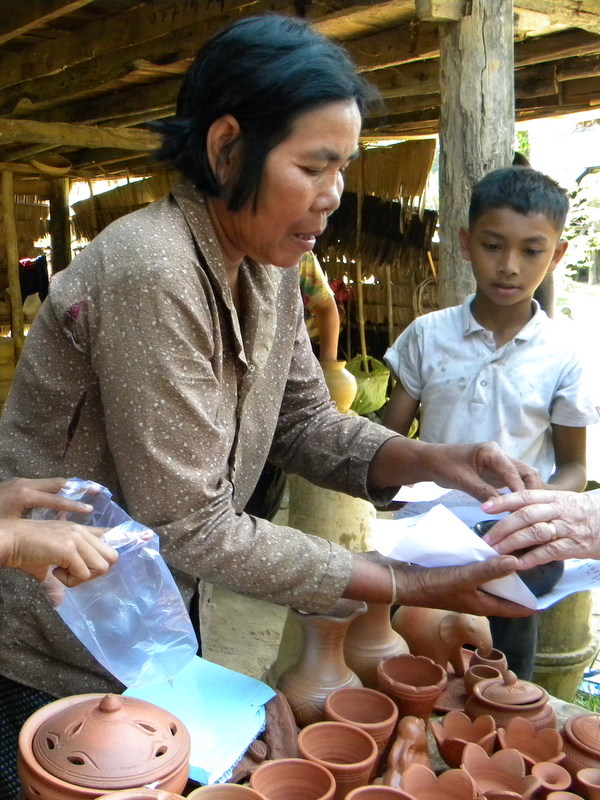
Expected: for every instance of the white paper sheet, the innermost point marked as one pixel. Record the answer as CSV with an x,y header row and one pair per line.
x,y
420,492
223,711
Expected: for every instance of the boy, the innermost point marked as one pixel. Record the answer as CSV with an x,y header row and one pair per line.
x,y
497,367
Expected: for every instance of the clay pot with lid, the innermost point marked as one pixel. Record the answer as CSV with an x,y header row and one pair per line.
x,y
581,742
84,746
510,698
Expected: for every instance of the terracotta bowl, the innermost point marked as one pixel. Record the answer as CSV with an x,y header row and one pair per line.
x,y
480,672
456,729
588,782
225,791
454,784
493,658
534,745
293,779
368,709
142,793
413,682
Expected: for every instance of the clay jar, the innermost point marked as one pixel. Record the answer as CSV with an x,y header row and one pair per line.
x,y
413,682
480,672
293,779
581,742
510,698
490,658
535,746
346,751
372,711
80,747
341,384
369,640
321,668
456,729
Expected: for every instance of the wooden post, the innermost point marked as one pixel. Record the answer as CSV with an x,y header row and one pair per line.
x,y
476,124
12,257
60,225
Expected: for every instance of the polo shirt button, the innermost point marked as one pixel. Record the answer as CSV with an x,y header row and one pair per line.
x,y
484,383
251,367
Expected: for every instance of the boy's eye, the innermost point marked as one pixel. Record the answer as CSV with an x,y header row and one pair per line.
x,y
491,245
530,251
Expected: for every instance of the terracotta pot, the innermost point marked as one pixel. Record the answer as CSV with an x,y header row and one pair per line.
x,y
581,742
378,793
491,658
413,682
588,782
83,746
552,777
452,733
454,784
141,794
321,668
346,751
535,746
369,640
341,384
293,779
480,672
563,796
511,698
372,711
502,772
225,791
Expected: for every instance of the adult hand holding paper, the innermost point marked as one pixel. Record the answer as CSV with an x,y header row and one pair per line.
x,y
439,539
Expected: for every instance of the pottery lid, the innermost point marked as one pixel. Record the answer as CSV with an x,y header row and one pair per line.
x,y
584,731
510,691
111,742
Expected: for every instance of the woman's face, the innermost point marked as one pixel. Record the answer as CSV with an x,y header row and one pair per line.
x,y
301,185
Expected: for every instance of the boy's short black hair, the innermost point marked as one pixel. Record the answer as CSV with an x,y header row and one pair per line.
x,y
264,71
522,189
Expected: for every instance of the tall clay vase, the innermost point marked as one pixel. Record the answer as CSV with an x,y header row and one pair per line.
x,y
321,668
346,751
413,682
293,779
372,711
369,640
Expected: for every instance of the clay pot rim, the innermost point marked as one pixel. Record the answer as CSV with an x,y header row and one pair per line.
x,y
267,766
480,688
343,611
336,765
426,663
141,793
572,738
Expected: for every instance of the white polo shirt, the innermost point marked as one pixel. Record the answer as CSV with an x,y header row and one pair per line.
x,y
472,392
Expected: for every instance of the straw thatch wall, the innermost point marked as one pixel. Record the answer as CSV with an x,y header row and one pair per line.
x,y
31,216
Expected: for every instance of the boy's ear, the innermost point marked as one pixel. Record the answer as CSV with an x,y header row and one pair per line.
x,y
220,141
559,252
464,237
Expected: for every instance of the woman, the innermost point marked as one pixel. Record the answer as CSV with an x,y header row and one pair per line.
x,y
172,359
556,525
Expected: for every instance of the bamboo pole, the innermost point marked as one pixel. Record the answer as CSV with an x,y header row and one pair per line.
x,y
93,208
12,257
390,304
360,306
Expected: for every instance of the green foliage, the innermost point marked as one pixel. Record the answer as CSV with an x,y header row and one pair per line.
x,y
591,702
522,143
583,224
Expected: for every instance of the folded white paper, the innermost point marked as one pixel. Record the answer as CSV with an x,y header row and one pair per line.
x,y
223,711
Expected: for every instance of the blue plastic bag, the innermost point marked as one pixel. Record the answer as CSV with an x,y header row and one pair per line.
x,y
132,619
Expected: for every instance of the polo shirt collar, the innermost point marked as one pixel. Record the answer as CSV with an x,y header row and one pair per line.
x,y
470,324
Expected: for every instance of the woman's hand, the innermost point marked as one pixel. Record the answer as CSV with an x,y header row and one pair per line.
x,y
22,494
477,469
557,525
34,545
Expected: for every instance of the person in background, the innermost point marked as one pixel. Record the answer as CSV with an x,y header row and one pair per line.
x,y
321,312
497,367
75,552
172,360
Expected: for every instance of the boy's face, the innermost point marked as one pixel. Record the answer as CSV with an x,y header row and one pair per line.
x,y
510,253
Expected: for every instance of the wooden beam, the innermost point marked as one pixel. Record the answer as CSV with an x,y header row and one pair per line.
x,y
397,46
12,260
556,46
25,17
582,14
63,133
39,188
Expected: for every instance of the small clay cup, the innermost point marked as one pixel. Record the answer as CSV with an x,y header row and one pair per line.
x,y
293,779
563,796
346,751
493,658
480,672
368,709
225,791
413,682
588,783
552,777
378,793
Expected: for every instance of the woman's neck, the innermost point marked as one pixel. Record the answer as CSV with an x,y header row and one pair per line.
x,y
232,258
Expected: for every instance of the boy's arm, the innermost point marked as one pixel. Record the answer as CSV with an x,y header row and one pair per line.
x,y
570,459
401,410
328,322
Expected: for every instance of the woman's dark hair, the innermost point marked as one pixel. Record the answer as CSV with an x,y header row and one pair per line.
x,y
264,71
523,190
